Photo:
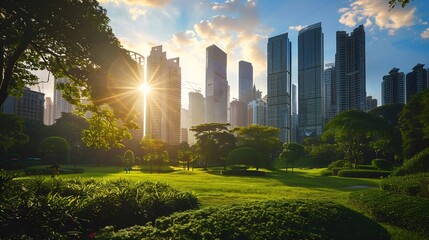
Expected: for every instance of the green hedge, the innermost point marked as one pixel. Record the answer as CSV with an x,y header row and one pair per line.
x,y
411,185
382,164
363,173
46,170
417,164
408,212
280,219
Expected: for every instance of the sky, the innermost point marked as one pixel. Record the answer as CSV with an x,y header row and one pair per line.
x,y
185,28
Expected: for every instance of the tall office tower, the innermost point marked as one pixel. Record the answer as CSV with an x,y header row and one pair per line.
x,y
196,113
279,84
245,82
350,70
417,81
310,81
257,112
330,96
217,89
184,120
371,103
163,104
239,113
393,88
29,106
48,117
60,104
294,107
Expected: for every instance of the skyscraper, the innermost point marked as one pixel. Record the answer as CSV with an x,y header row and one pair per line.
x,y
310,81
417,81
294,107
196,112
164,100
245,82
279,84
29,106
330,96
393,88
216,110
60,104
350,68
257,112
239,113
48,118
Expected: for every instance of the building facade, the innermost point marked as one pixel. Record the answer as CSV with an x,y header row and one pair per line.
x,y
245,82
60,104
393,87
29,106
239,111
310,81
350,65
164,100
257,112
196,113
279,69
294,107
48,118
417,81
330,93
217,90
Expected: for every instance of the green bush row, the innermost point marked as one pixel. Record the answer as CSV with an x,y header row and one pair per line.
x,y
44,208
243,173
43,170
408,212
382,164
363,173
280,219
417,164
411,185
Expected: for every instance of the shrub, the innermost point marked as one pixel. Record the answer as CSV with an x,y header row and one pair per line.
x,y
44,170
326,172
280,219
382,164
335,170
363,173
337,164
410,185
417,164
408,212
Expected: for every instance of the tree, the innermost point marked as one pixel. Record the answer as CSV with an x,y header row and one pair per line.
x,y
246,156
55,148
264,139
392,3
290,153
153,152
128,159
11,131
214,141
185,155
325,153
353,131
70,39
414,124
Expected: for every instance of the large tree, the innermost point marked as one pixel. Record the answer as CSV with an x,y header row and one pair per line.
x,y
69,38
11,132
291,153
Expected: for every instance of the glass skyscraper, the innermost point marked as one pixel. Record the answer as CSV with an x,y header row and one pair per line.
x,y
310,81
279,85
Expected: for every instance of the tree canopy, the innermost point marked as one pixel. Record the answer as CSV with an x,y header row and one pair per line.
x,y
11,131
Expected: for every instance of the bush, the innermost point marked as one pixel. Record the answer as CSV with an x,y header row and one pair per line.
x,y
44,208
46,170
408,212
326,172
337,164
417,164
363,173
280,219
410,185
382,164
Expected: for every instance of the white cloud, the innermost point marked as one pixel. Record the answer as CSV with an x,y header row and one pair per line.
x,y
297,28
425,34
136,12
370,12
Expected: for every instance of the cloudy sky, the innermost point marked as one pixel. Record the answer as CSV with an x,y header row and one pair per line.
x,y
399,38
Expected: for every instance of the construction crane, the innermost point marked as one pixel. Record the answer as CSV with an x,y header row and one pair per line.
x,y
193,87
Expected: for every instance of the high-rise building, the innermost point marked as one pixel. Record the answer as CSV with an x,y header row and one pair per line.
x,y
310,81
217,90
350,68
417,81
294,107
330,93
239,113
393,87
371,103
196,113
164,101
245,82
60,104
48,118
184,120
279,84
257,112
29,106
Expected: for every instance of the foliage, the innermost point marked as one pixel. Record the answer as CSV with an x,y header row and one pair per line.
x,y
128,158
282,219
264,139
417,164
414,122
53,209
247,156
337,164
363,173
382,164
154,152
392,3
55,146
325,153
410,185
46,170
408,212
186,155
11,131
214,142
353,131
291,153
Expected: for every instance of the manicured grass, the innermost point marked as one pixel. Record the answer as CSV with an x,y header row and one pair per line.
x,y
214,189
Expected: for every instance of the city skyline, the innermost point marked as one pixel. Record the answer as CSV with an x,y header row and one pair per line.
x,y
399,38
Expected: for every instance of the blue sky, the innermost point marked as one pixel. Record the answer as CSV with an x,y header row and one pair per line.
x,y
399,38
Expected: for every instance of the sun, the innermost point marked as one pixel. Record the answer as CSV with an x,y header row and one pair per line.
x,y
144,88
